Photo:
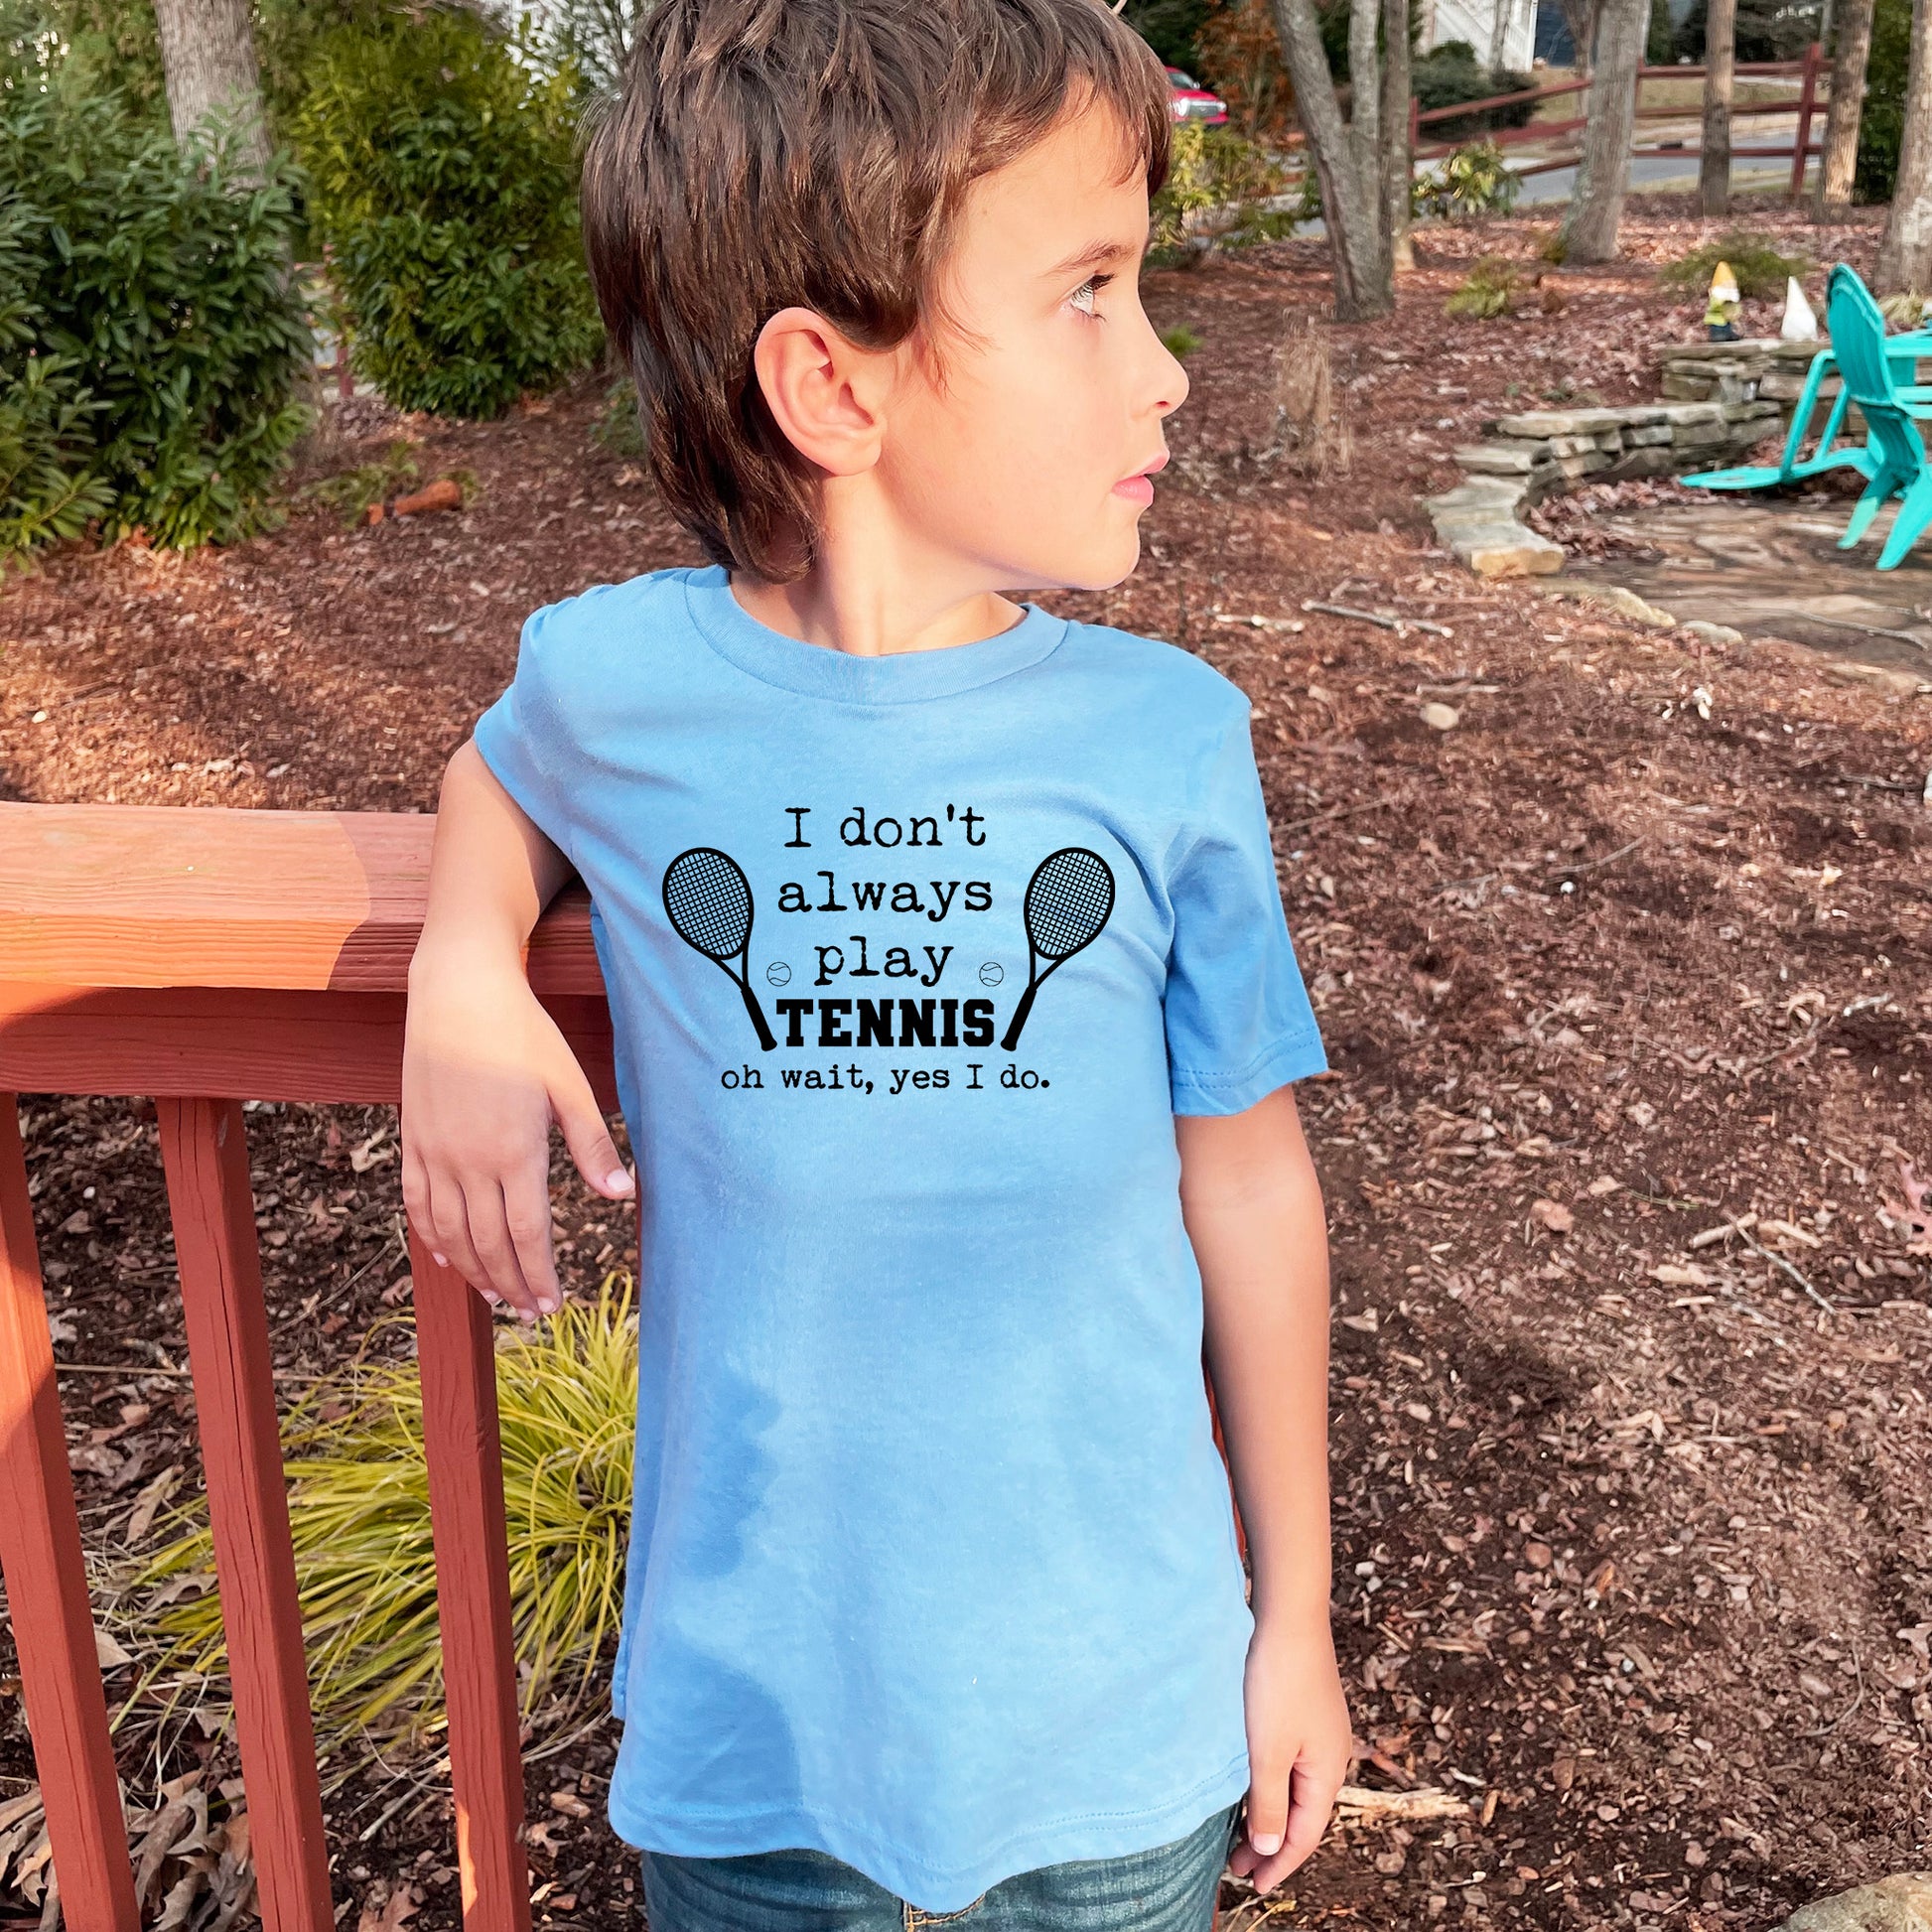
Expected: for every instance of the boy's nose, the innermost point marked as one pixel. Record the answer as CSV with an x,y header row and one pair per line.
x,y
1172,384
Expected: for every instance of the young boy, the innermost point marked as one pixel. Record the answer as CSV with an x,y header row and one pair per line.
x,y
954,1012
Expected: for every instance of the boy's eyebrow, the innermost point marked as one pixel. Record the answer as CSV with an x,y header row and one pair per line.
x,y
1097,254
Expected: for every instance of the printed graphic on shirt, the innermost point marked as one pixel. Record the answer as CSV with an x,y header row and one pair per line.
x,y
709,902
707,899
1069,897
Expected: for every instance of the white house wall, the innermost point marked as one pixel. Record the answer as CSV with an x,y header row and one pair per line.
x,y
1475,21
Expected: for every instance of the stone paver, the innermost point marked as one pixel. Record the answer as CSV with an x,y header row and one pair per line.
x,y
1768,566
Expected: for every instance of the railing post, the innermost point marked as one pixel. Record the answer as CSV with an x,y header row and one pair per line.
x,y
1801,143
47,1585
454,1350
205,1149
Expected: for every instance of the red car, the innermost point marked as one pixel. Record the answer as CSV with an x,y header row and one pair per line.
x,y
1192,101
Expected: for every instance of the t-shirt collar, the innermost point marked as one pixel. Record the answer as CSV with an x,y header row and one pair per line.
x,y
899,677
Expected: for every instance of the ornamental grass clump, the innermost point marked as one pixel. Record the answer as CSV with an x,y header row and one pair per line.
x,y
1761,267
1489,289
358,1504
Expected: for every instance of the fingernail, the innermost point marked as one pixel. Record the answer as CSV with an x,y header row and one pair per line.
x,y
441,1261
1266,1843
526,1314
489,1296
618,1182
549,1304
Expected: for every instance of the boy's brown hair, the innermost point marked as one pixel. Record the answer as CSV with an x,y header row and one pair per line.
x,y
766,153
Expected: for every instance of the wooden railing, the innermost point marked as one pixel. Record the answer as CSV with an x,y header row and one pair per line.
x,y
199,958
1806,73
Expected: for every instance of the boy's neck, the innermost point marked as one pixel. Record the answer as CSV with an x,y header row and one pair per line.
x,y
873,605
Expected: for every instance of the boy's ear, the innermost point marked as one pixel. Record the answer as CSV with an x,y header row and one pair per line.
x,y
823,391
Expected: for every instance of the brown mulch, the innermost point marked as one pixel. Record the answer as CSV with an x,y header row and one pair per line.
x,y
1632,1550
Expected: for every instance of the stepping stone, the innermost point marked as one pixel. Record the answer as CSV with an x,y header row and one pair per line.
x,y
1900,1903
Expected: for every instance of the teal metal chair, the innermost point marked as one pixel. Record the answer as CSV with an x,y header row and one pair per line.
x,y
1897,451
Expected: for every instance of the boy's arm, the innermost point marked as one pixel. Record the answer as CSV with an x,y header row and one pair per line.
x,y
485,1069
1253,1209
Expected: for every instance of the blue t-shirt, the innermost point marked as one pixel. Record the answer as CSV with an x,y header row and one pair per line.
x,y
912,962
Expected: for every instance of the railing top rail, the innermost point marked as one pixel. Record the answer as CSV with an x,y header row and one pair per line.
x,y
1457,111
156,895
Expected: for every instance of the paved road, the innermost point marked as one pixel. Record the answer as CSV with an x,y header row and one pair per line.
x,y
1646,170
1654,171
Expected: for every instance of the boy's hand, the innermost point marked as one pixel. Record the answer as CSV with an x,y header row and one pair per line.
x,y
1299,1742
484,1072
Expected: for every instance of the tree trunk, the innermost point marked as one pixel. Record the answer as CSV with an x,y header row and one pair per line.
x,y
1905,254
1720,57
1350,203
1398,157
207,50
1580,16
1365,107
1589,229
1848,58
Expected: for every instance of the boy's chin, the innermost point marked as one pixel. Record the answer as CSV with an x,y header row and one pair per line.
x,y
1108,562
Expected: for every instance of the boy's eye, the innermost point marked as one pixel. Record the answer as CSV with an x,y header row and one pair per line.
x,y
1082,298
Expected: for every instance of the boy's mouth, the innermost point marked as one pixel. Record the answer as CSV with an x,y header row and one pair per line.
x,y
1138,487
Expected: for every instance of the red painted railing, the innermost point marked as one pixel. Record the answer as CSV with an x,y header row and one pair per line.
x,y
197,957
1805,71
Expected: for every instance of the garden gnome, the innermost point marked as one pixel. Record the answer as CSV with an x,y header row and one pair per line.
x,y
1800,324
1720,315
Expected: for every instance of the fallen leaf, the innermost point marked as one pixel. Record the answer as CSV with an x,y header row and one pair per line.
x,y
1552,1216
107,1654
1675,1274
147,1503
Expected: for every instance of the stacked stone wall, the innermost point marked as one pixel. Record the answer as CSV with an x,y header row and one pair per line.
x,y
1721,400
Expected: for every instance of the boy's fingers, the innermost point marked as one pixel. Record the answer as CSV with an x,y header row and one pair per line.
x,y
591,1147
1307,1815
489,1239
415,1197
447,1232
1267,1813
527,1216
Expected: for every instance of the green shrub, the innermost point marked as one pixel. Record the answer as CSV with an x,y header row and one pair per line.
x,y
154,338
1756,260
1660,42
1449,73
1469,183
1488,290
1216,195
48,489
445,181
364,1562
1180,340
1765,30
1882,122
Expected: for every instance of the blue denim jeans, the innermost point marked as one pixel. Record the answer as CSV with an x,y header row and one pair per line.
x,y
1169,1889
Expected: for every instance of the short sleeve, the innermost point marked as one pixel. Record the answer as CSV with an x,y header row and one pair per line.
x,y
1238,1019
524,738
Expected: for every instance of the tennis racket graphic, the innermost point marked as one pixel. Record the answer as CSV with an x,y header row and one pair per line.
x,y
707,899
1069,897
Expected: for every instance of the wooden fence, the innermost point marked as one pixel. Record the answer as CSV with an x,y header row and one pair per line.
x,y
1806,73
197,957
